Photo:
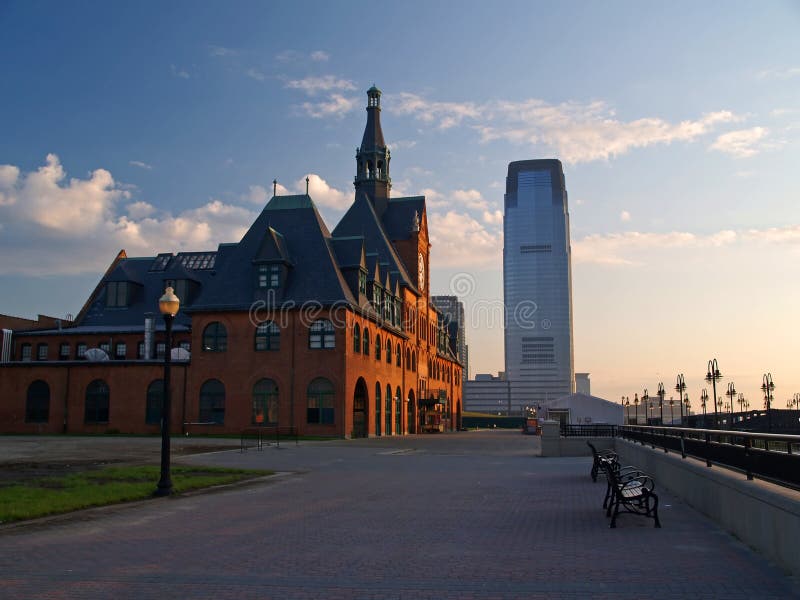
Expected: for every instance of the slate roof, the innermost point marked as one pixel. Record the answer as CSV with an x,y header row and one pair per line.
x,y
399,217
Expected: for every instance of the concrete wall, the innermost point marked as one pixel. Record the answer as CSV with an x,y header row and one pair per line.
x,y
555,445
763,515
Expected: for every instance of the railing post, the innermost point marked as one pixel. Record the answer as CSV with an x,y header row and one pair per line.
x,y
683,447
748,458
708,449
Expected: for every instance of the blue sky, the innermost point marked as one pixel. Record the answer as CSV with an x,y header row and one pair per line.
x,y
160,126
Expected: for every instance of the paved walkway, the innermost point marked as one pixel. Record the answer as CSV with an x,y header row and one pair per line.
x,y
470,515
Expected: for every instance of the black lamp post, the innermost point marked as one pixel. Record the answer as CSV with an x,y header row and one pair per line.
x,y
712,376
767,387
794,402
168,304
628,408
703,401
671,405
687,404
661,393
680,387
645,400
636,406
731,394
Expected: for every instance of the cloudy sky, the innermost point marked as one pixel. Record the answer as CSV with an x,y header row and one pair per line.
x,y
160,127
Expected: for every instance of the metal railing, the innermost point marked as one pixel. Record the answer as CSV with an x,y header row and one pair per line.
x,y
570,430
265,435
768,456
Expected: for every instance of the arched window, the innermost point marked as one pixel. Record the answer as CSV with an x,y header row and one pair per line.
x,y
265,402
408,358
215,337
378,408
398,407
377,346
365,342
414,361
321,335
320,398
96,402
155,400
398,355
388,409
37,405
212,402
388,351
268,336
356,339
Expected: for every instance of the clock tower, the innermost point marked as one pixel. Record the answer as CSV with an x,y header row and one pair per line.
x,y
372,157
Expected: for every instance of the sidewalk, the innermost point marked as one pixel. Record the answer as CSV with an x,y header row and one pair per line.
x,y
469,515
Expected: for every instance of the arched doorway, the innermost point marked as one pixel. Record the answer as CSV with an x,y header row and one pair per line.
x,y
360,402
411,418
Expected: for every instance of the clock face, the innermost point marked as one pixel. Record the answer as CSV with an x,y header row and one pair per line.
x,y
421,271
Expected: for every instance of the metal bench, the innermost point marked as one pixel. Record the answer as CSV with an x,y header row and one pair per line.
x,y
630,491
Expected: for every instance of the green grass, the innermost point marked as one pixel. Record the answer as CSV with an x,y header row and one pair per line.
x,y
110,485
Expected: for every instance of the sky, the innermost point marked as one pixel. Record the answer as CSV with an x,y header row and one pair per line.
x,y
160,126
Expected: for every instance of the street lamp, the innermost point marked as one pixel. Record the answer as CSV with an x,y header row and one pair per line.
x,y
636,406
712,377
794,402
628,408
703,401
671,404
767,387
688,406
168,304
680,387
731,394
661,393
743,404
645,400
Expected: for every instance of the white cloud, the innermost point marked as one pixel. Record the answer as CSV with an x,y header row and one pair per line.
x,y
314,85
779,73
470,199
624,216
742,143
453,232
323,193
61,225
336,106
257,194
140,164
221,51
493,218
178,72
575,131
253,73
320,56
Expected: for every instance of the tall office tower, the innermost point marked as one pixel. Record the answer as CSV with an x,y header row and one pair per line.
x,y
537,284
452,310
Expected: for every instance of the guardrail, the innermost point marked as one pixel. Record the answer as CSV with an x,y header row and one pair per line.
x,y
569,430
259,434
768,456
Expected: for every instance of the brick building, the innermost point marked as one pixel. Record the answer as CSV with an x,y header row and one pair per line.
x,y
331,332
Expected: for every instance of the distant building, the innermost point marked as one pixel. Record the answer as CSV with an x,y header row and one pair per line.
x,y
582,384
537,284
487,394
452,310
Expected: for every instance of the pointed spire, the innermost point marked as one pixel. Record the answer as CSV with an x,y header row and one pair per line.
x,y
274,187
372,157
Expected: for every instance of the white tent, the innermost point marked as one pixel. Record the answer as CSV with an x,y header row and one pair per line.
x,y
582,409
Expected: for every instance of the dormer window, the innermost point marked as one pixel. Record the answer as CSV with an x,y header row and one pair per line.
x,y
376,296
362,282
180,287
117,294
269,276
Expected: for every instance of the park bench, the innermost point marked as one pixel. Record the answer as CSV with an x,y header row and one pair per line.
x,y
630,490
598,465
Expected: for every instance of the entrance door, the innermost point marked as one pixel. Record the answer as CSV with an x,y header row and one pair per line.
x,y
411,419
360,410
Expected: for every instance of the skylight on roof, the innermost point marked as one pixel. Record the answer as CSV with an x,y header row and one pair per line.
x,y
197,260
161,261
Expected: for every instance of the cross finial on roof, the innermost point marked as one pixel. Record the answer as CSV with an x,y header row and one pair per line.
x,y
306,186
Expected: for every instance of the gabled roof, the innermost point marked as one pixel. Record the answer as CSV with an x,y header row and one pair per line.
x,y
273,248
361,220
398,220
349,252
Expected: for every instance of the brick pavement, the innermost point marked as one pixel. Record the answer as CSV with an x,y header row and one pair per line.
x,y
471,515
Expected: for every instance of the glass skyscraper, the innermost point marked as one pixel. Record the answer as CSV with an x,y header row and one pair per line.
x,y
537,284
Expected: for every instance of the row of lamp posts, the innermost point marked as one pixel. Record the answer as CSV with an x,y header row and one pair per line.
x,y
712,376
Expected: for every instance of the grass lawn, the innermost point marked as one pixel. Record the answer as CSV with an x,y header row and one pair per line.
x,y
109,485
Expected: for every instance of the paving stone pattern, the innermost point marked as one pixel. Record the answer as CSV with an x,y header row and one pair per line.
x,y
468,515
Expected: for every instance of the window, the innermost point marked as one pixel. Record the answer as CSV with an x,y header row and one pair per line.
x,y
408,359
268,336
398,355
140,350
388,415
320,402
356,339
37,404
106,347
117,294
362,282
212,402
377,347
96,402
265,402
80,350
365,342
387,307
26,352
269,276
155,402
321,334
377,408
414,362
41,352
186,346
121,351
398,405
215,337
63,351
161,350
376,297
389,351
180,287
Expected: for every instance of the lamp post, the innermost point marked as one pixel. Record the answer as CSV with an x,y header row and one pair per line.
x,y
712,376
680,387
671,404
794,402
645,400
767,387
731,394
743,404
661,393
168,304
703,401
628,407
687,405
636,406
